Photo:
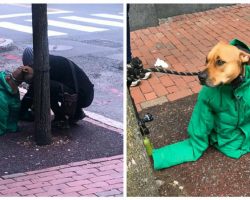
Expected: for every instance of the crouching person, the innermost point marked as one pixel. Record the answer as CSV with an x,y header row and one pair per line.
x,y
66,80
10,97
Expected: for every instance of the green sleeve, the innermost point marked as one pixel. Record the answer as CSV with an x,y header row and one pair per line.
x,y
13,116
191,149
4,112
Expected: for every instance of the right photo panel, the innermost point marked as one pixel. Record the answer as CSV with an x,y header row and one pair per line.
x,y
188,99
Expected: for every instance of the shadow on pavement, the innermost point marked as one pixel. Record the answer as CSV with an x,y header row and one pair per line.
x,y
19,153
212,175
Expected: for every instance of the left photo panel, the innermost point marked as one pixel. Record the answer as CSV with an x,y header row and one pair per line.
x,y
61,100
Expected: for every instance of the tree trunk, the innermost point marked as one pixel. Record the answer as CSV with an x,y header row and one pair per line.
x,y
41,79
140,178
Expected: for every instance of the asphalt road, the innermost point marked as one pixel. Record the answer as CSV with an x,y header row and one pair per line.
x,y
89,34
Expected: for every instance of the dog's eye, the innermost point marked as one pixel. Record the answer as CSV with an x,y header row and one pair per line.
x,y
220,62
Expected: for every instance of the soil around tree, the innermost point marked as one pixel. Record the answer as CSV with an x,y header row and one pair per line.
x,y
19,152
213,174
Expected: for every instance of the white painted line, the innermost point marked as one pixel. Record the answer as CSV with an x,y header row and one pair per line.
x,y
74,26
26,29
104,15
95,21
104,120
30,14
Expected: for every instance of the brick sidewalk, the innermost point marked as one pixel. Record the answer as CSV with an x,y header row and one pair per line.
x,y
97,177
183,42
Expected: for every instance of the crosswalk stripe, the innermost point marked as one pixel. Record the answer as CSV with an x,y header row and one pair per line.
x,y
30,14
74,26
104,15
95,21
26,29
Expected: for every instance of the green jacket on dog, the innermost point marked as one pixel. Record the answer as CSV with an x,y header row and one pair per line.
x,y
221,118
9,107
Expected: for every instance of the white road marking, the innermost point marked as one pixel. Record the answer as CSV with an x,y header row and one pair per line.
x,y
95,21
104,120
73,26
104,15
26,29
30,14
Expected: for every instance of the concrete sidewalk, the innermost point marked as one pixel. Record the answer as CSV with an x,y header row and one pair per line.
x,y
183,42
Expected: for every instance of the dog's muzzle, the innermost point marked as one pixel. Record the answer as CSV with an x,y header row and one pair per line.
x,y
203,77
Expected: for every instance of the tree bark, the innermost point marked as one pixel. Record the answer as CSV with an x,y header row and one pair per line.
x,y
41,75
140,178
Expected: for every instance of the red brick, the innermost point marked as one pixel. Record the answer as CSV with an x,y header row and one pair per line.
x,y
37,185
72,194
13,190
73,189
50,173
108,172
159,89
14,194
111,162
33,191
172,89
4,182
108,193
55,187
65,175
84,176
59,181
118,186
17,184
179,95
114,181
27,177
138,107
87,171
91,191
150,96
49,193
179,82
137,95
145,87
71,169
166,81
97,185
79,183
153,79
196,89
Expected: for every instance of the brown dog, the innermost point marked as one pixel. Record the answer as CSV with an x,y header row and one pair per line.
x,y
224,64
21,74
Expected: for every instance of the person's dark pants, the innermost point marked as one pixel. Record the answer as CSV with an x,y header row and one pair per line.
x,y
129,54
56,96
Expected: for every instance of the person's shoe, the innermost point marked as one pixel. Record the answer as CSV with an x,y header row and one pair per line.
x,y
60,124
79,116
135,83
146,76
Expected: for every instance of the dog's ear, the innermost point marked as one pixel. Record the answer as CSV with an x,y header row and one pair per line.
x,y
244,57
25,70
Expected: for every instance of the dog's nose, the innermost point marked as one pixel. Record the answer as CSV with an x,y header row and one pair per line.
x,y
203,77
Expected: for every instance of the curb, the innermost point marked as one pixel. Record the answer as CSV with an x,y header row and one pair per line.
x,y
5,44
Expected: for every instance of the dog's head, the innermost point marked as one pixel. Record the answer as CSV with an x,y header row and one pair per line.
x,y
223,64
23,74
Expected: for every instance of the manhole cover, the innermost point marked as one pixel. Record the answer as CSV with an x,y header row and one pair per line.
x,y
59,47
104,43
